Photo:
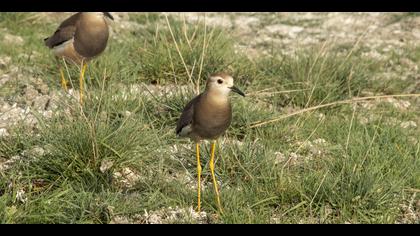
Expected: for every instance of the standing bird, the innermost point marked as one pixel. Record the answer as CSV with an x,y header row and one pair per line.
x,y
207,116
79,39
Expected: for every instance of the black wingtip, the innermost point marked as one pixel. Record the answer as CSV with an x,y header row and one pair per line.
x,y
46,42
177,131
107,14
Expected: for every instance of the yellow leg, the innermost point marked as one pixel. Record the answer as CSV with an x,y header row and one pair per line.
x,y
197,146
63,80
213,147
82,74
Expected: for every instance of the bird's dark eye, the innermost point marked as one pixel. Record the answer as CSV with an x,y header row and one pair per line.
x,y
219,81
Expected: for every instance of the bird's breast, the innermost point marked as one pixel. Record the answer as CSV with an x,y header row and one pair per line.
x,y
91,38
211,120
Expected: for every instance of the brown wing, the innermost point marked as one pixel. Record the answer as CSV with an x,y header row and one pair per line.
x,y
65,31
187,115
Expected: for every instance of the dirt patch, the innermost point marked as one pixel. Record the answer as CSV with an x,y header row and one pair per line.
x,y
166,216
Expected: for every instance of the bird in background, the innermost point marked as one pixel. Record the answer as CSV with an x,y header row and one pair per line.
x,y
80,38
207,117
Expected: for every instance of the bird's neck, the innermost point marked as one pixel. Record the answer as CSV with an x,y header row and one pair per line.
x,y
216,98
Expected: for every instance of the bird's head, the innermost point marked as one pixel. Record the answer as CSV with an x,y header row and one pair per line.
x,y
222,83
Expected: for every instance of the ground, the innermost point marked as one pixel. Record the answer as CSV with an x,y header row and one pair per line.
x,y
302,148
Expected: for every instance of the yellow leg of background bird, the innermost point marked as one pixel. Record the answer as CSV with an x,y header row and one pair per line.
x,y
197,147
81,79
63,80
213,147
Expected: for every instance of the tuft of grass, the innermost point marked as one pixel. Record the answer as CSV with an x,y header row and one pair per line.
x,y
318,75
78,144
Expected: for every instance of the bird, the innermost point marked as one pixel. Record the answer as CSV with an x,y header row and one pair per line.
x,y
206,117
80,38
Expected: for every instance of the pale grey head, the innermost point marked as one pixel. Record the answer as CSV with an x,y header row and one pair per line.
x,y
222,84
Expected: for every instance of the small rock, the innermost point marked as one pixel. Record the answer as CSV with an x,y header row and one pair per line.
x,y
127,178
8,164
39,85
13,39
275,220
368,105
14,70
30,93
320,141
321,116
120,220
48,114
293,158
328,210
34,152
408,124
408,63
315,151
364,120
3,132
4,61
4,78
106,165
400,104
128,113
20,196
40,102
42,88
31,120
279,158
232,142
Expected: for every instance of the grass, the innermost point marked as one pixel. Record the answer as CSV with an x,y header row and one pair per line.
x,y
324,77
337,164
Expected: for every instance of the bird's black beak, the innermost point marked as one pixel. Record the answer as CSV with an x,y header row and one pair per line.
x,y
238,91
107,14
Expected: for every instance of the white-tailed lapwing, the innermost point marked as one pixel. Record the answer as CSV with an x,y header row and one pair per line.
x,y
207,116
80,38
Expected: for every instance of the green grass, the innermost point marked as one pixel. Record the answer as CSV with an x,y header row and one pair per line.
x,y
363,173
320,76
